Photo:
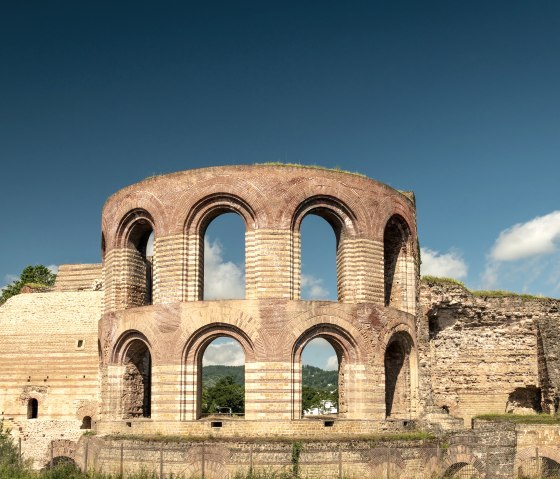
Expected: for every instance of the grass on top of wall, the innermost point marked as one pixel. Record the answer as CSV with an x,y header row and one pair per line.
x,y
522,418
443,280
504,294
381,437
317,167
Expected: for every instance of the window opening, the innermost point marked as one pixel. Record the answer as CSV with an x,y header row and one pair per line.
x,y
320,379
395,251
398,377
32,408
222,391
224,258
137,381
318,259
86,422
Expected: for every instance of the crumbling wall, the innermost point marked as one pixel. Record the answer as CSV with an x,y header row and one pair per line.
x,y
484,351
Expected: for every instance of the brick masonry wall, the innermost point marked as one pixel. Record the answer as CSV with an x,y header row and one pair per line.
x,y
40,358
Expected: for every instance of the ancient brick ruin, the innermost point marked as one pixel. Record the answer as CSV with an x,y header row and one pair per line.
x,y
121,344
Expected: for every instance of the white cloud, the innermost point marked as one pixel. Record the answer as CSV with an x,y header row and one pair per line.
x,y
222,279
312,287
525,257
53,268
449,265
225,353
535,237
332,363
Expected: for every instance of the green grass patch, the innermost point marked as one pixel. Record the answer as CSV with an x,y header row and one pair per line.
x,y
381,437
443,279
522,418
504,294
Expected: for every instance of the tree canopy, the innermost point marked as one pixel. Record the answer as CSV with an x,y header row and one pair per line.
x,y
38,275
226,393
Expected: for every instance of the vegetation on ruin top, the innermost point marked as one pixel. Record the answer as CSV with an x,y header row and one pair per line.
x,y
317,167
504,294
36,277
443,279
381,437
480,293
522,418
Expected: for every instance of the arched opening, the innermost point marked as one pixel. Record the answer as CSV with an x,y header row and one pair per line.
x,y
32,408
319,378
222,378
318,258
398,265
140,266
86,422
103,247
343,223
224,258
137,380
339,351
541,467
399,376
461,470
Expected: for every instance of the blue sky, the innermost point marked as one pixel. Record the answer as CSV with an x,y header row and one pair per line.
x,y
457,101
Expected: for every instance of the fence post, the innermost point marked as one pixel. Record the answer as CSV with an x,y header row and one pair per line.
x,y
121,470
251,459
203,460
339,462
52,453
161,461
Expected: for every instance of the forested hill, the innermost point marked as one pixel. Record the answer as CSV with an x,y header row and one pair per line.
x,y
212,374
315,377
319,378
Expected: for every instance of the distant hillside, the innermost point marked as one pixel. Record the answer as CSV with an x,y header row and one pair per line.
x,y
212,374
314,377
319,378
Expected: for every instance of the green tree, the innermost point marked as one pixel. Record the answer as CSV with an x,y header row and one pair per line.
x,y
226,393
38,275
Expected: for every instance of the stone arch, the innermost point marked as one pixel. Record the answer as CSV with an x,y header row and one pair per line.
x,y
459,457
346,350
198,219
343,222
398,265
63,452
542,461
133,234
461,470
133,353
401,376
192,362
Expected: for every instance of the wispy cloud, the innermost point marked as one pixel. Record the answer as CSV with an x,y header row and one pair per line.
x,y
449,264
226,353
312,287
222,279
